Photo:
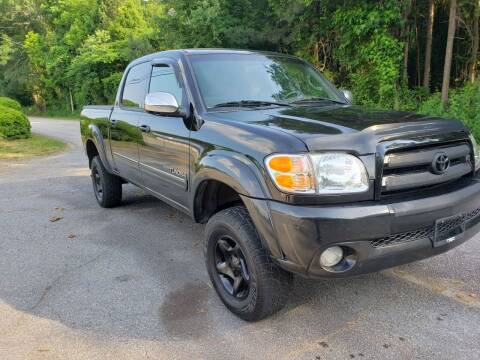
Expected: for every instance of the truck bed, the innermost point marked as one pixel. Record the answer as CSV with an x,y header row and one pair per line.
x,y
94,112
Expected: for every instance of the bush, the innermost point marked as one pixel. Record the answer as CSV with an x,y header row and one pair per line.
x,y
10,103
13,124
411,98
463,104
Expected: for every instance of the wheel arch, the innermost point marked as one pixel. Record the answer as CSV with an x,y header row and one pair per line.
x,y
91,150
234,180
223,172
94,145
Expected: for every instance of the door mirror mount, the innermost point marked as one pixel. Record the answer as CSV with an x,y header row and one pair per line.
x,y
162,103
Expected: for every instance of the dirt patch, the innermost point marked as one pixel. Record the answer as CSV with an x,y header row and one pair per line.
x,y
184,312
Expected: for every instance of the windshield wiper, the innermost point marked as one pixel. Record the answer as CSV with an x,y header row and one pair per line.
x,y
316,99
250,103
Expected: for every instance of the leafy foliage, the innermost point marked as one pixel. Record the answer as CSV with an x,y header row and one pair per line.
x,y
13,124
10,103
464,104
58,53
369,52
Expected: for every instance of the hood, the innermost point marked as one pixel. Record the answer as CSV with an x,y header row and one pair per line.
x,y
354,128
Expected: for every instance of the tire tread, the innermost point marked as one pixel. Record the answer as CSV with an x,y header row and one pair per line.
x,y
274,283
112,186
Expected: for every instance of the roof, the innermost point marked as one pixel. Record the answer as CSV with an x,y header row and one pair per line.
x,y
177,53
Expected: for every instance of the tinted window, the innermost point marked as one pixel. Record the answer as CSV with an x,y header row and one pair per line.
x,y
134,90
164,80
224,78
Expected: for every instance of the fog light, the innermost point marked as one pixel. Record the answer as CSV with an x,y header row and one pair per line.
x,y
331,257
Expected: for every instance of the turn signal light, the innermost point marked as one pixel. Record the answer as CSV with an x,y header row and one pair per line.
x,y
281,163
291,173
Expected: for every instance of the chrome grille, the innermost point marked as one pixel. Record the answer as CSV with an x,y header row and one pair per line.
x,y
410,169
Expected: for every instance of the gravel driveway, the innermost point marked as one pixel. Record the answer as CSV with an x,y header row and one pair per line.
x,y
79,281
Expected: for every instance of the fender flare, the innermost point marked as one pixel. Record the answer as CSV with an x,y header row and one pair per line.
x,y
234,170
243,176
97,138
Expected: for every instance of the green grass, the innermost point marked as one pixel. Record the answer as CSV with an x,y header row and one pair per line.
x,y
35,146
53,114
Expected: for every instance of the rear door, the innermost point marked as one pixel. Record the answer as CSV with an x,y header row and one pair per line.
x,y
124,121
164,149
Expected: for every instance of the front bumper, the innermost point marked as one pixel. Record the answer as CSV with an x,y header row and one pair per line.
x,y
302,233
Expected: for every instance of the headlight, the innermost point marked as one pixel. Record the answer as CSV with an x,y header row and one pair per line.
x,y
322,173
476,152
339,173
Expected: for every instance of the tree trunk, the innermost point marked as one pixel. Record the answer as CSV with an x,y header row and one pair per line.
x,y
405,61
448,51
72,107
417,43
39,101
406,37
428,46
474,57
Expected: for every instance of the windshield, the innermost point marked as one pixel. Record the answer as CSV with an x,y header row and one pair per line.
x,y
257,79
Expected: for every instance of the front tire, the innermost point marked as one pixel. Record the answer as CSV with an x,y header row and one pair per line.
x,y
107,187
242,272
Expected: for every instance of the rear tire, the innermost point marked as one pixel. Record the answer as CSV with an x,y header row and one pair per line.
x,y
242,272
106,187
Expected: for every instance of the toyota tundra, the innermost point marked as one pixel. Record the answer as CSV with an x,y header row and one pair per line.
x,y
287,174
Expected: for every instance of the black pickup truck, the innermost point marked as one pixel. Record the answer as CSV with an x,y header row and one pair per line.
x,y
288,175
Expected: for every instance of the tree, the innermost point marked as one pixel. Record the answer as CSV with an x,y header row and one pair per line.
x,y
406,38
449,51
67,53
428,45
475,40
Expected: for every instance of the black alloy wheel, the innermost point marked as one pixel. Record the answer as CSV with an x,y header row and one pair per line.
x,y
241,269
97,184
106,187
232,268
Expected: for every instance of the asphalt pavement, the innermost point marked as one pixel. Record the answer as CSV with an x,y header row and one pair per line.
x,y
81,282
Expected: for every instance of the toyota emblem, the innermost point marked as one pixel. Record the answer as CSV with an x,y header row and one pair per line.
x,y
440,163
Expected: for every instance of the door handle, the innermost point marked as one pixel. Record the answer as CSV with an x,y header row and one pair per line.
x,y
144,128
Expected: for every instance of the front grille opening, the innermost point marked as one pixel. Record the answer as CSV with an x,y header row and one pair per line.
x,y
435,189
412,168
467,220
423,167
425,233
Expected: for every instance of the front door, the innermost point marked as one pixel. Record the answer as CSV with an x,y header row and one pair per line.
x,y
164,149
124,121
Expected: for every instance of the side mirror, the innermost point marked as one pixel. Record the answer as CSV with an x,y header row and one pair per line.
x,y
348,95
161,103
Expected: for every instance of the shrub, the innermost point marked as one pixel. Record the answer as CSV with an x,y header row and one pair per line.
x,y
463,104
13,124
10,103
411,98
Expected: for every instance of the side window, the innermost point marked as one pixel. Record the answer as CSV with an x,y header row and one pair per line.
x,y
134,89
164,80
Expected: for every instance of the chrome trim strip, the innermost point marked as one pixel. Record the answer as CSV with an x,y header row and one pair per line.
x,y
174,177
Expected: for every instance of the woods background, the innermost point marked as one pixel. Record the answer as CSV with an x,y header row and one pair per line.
x,y
57,55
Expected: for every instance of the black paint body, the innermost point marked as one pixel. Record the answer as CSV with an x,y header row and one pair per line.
x,y
182,152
